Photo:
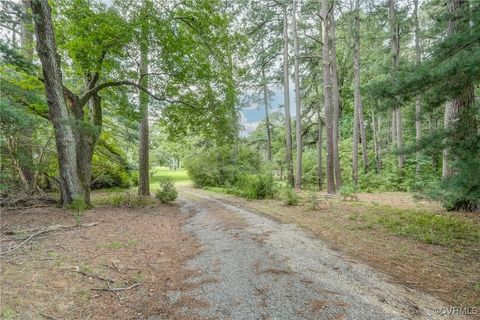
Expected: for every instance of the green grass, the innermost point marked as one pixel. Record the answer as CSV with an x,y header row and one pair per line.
x,y
180,176
429,227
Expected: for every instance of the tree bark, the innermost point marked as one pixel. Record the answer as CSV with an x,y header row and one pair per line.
x,y
298,107
327,92
143,161
418,113
267,118
376,142
458,119
26,165
319,144
286,98
397,128
335,100
70,184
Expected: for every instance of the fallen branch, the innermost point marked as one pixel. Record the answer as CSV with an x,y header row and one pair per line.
x,y
77,269
117,289
49,229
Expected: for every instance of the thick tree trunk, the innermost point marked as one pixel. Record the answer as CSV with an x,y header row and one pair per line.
x,y
143,161
70,184
458,119
286,98
298,107
335,100
267,118
397,127
327,92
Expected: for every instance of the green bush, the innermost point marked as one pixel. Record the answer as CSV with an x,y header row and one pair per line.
x,y
167,192
253,186
313,201
348,192
128,199
290,197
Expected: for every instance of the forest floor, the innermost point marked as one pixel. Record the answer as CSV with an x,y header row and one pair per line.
x,y
69,273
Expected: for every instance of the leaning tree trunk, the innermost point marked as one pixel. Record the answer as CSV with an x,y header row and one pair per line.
x,y
327,92
267,117
298,107
335,101
71,186
286,97
143,161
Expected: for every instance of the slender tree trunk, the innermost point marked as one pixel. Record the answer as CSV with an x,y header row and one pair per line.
x,y
335,100
418,111
26,166
70,184
355,148
286,97
298,107
397,128
319,145
376,143
327,92
267,118
143,161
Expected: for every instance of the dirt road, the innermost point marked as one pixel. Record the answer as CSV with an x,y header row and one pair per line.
x,y
252,267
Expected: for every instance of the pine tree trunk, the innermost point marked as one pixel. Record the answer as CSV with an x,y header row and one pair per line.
x,y
298,107
25,146
376,143
335,101
286,97
355,148
418,110
71,186
267,118
143,161
327,92
397,122
458,119
319,145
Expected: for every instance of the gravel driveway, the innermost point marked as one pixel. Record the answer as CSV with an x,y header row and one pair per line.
x,y
252,267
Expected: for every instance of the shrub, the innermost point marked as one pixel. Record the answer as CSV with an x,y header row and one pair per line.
x,y
290,197
258,186
128,199
348,192
313,201
167,192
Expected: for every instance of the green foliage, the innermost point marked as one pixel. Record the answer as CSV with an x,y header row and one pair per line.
x,y
7,313
128,199
348,192
428,227
167,192
250,186
78,207
313,201
290,197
